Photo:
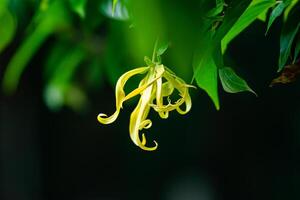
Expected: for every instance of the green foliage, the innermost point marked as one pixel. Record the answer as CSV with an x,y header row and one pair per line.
x,y
250,14
101,38
231,82
206,76
46,23
297,50
78,6
288,34
6,20
277,11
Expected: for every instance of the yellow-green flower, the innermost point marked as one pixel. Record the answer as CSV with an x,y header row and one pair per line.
x,y
158,84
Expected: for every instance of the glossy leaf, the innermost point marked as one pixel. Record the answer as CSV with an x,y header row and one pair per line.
x,y
231,82
277,11
288,34
251,13
234,11
286,41
206,75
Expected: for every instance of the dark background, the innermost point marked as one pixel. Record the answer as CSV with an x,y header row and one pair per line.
x,y
247,150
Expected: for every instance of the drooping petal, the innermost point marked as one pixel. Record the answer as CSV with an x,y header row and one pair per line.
x,y
137,122
159,99
120,94
167,89
182,88
159,70
138,118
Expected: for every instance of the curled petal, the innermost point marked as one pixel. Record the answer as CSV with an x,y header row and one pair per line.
x,y
163,90
137,122
120,94
144,84
138,117
182,87
163,114
146,124
167,89
188,105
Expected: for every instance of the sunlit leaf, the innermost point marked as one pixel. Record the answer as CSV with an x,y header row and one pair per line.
x,y
206,75
232,14
78,6
251,13
231,82
115,2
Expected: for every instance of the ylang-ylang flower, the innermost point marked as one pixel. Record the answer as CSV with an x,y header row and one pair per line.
x,y
155,91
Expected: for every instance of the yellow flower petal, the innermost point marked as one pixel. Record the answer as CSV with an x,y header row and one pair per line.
x,y
159,83
159,70
120,94
138,117
136,120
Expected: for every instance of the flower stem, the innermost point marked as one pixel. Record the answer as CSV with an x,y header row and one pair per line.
x,y
154,50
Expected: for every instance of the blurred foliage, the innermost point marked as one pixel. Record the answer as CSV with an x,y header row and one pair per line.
x,y
87,42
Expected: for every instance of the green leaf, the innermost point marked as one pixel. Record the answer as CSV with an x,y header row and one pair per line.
x,y
286,41
297,50
115,2
206,75
162,48
78,7
8,29
251,13
235,9
277,11
217,10
231,82
289,8
54,17
115,9
289,31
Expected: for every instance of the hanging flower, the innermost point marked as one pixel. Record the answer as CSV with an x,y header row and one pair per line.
x,y
158,84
